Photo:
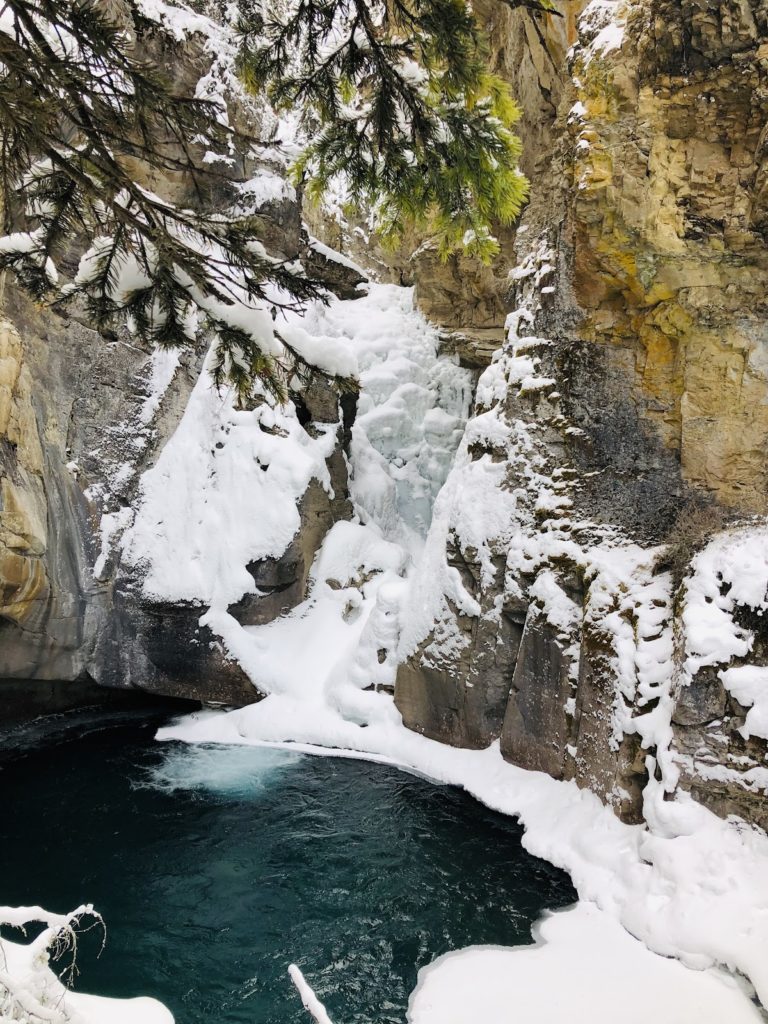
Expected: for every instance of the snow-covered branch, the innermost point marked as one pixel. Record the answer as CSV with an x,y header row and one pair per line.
x,y
311,1003
31,992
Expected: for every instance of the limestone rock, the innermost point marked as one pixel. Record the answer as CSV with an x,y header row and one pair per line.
x,y
648,213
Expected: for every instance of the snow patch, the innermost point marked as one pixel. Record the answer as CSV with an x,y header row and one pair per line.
x,y
584,969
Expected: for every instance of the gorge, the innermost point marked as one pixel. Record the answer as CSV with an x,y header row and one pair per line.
x,y
529,558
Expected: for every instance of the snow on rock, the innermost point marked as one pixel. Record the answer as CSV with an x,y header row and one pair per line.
x,y
300,654
583,969
749,685
729,574
335,257
223,493
225,489
266,186
126,445
601,27
163,366
732,570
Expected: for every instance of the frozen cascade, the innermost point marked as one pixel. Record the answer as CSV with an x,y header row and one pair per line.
x,y
413,406
412,409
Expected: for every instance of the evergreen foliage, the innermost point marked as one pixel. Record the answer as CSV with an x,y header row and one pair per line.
x,y
395,98
79,111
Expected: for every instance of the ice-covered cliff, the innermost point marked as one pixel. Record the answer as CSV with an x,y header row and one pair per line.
x,y
542,522
621,426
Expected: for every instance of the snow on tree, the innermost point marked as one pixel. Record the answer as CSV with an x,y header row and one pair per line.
x,y
395,97
35,976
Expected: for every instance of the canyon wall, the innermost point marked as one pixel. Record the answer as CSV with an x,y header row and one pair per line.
x,y
625,419
82,416
593,583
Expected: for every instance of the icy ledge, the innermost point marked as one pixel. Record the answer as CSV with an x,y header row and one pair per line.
x,y
694,887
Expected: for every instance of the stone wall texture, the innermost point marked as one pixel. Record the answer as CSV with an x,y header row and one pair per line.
x,y
647,159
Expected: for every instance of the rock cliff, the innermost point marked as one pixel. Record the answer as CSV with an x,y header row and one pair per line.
x,y
625,418
593,583
82,416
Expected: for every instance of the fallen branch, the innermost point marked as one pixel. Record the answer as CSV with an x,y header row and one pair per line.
x,y
311,1003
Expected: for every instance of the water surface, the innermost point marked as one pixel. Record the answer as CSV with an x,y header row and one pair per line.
x,y
216,867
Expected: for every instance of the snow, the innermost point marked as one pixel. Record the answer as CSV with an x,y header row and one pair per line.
x,y
266,186
310,1001
21,241
325,630
30,991
749,685
335,257
179,20
601,25
731,572
163,366
225,488
222,472
583,969
686,884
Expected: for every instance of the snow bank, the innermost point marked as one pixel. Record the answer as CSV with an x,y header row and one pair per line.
x,y
224,492
584,969
301,654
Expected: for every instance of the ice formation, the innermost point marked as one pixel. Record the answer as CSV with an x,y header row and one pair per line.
x,y
688,884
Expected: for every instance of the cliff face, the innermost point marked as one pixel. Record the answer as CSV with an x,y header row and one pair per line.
x,y
592,589
82,417
627,409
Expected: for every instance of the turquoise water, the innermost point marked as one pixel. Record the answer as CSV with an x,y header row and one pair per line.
x,y
216,867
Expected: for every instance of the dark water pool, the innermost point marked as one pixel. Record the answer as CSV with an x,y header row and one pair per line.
x,y
215,868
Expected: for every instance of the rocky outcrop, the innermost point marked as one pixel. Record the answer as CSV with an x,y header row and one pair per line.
x,y
82,416
620,427
626,416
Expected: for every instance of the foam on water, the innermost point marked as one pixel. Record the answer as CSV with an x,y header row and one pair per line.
x,y
238,772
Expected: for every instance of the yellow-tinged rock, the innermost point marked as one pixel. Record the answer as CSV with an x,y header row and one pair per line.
x,y
20,516
23,584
